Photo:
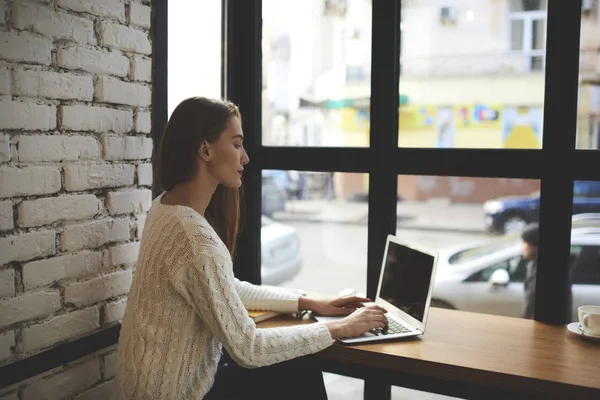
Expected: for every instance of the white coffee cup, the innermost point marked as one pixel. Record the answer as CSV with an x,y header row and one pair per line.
x,y
589,318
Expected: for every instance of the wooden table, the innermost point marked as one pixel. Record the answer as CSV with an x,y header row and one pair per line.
x,y
472,355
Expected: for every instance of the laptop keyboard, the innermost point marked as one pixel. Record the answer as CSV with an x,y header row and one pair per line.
x,y
392,328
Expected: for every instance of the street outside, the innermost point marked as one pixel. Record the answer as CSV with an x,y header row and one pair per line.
x,y
333,240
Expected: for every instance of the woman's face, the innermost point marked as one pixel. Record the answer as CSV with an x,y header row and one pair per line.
x,y
228,156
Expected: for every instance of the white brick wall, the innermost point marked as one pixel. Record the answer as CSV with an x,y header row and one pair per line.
x,y
27,246
94,234
29,116
98,289
62,208
52,85
122,254
65,383
7,341
139,15
141,222
141,68
103,391
98,176
58,25
75,107
103,8
110,365
70,266
143,122
96,119
127,147
125,38
4,79
28,181
57,329
28,306
7,282
4,148
6,215
114,312
34,148
25,47
112,90
144,173
129,201
93,60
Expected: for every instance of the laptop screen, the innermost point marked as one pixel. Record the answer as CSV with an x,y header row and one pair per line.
x,y
406,279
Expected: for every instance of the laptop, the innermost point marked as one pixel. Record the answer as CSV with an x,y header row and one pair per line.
x,y
405,287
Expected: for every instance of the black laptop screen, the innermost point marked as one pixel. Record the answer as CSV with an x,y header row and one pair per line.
x,y
406,278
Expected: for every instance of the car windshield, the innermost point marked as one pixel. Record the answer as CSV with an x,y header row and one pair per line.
x,y
484,250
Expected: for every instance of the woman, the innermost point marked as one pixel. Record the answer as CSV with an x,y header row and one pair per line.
x,y
185,302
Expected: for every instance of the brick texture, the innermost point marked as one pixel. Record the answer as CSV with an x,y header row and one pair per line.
x,y
34,148
98,176
94,234
29,181
52,209
97,289
93,60
53,85
70,266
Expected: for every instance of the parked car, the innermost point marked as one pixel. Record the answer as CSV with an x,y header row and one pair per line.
x,y
280,252
511,214
488,277
273,196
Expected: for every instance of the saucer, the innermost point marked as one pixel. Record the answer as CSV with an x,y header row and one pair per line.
x,y
575,327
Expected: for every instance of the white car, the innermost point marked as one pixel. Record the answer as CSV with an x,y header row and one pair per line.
x,y
280,252
488,277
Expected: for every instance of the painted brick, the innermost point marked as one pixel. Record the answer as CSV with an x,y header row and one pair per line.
x,y
26,246
7,282
141,69
139,15
5,85
28,306
29,181
122,254
110,365
114,312
7,341
98,176
65,383
94,234
98,289
33,148
144,172
93,60
56,25
112,90
29,116
6,215
125,38
57,329
26,48
104,8
5,155
143,122
127,148
141,222
70,266
103,391
53,85
52,209
96,119
129,201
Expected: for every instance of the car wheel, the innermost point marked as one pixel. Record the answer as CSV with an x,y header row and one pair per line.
x,y
513,224
441,304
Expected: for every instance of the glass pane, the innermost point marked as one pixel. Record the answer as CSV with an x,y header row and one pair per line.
x,y
476,225
516,34
585,245
316,73
588,113
472,75
193,70
528,5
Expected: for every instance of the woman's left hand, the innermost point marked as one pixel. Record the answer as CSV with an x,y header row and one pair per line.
x,y
338,306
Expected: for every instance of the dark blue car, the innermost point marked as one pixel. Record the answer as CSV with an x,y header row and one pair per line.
x,y
511,214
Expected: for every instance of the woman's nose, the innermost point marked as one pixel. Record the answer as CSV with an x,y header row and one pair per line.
x,y
245,158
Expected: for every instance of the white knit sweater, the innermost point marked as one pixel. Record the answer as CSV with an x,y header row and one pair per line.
x,y
185,302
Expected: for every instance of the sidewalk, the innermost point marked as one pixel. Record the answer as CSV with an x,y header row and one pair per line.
x,y
439,216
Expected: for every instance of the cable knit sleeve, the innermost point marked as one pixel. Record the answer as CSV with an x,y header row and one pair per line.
x,y
209,286
267,298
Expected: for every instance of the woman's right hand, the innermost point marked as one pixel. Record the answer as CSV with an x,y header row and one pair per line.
x,y
360,321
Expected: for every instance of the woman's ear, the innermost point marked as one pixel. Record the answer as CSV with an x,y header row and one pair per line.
x,y
204,151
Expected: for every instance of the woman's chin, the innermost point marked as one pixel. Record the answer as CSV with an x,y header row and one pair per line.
x,y
234,183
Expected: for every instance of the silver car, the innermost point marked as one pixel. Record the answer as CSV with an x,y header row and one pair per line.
x,y
280,252
488,277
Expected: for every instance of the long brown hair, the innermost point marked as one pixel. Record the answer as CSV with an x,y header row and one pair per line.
x,y
195,120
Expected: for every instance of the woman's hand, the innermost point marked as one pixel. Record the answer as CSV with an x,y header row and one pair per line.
x,y
331,307
359,322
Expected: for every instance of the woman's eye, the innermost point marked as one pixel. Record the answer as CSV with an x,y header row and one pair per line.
x,y
237,146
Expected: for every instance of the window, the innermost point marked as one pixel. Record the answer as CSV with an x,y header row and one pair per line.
x,y
586,270
528,31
